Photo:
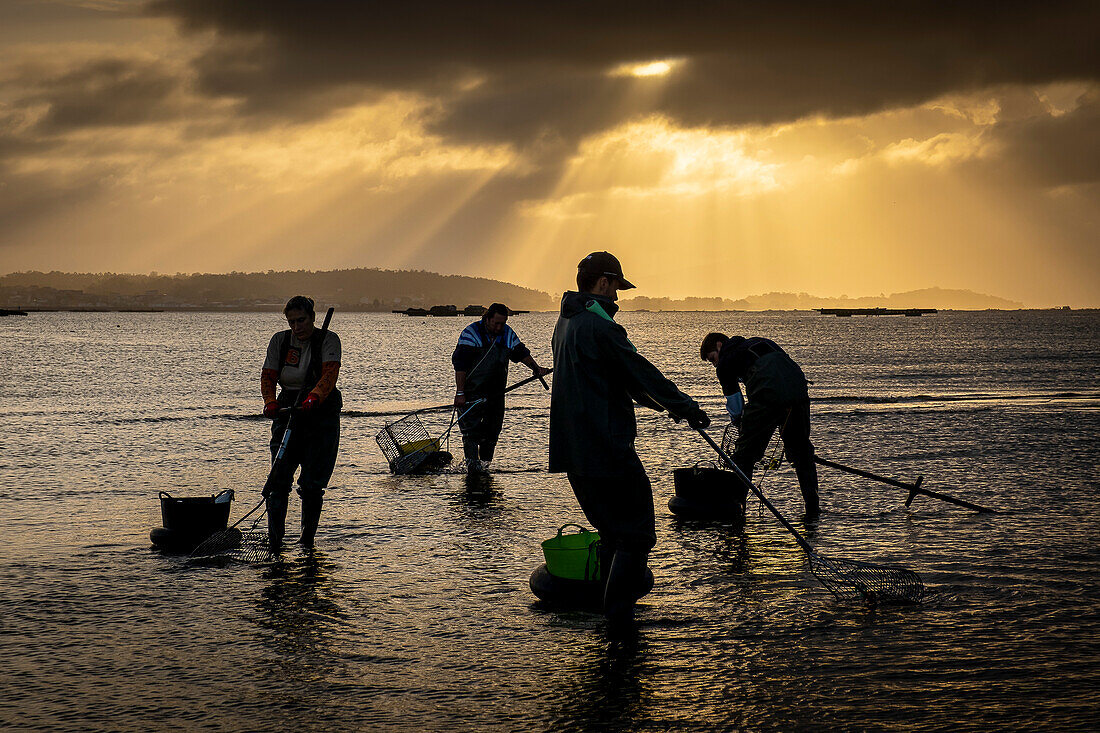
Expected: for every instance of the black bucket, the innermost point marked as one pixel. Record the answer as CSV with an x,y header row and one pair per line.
x,y
198,516
704,491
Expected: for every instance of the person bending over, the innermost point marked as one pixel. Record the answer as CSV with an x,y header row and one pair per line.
x,y
776,396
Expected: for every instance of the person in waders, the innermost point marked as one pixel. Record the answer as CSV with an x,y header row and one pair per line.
x,y
776,396
481,361
598,376
298,361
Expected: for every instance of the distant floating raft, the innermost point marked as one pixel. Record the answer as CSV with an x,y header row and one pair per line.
x,y
847,312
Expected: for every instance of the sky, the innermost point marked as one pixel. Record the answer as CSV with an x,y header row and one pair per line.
x,y
717,148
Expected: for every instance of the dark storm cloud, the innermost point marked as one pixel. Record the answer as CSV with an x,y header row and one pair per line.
x,y
109,91
747,62
27,198
1058,150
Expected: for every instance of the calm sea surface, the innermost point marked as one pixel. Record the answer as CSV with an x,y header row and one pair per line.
x,y
415,614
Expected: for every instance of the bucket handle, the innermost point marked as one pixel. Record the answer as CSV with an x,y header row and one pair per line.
x,y
570,524
704,463
164,495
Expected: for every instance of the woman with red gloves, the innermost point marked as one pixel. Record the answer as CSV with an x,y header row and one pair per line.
x,y
297,360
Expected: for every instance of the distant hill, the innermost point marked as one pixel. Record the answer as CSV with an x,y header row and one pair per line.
x,y
372,289
356,289
941,298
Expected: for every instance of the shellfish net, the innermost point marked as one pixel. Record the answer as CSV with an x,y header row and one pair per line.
x,y
845,579
243,545
408,446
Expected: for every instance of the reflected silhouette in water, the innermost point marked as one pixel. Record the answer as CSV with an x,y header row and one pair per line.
x,y
298,609
726,543
479,487
607,689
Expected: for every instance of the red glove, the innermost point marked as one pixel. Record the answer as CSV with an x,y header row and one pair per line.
x,y
311,401
271,409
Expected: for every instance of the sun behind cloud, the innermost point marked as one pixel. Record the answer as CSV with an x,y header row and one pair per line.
x,y
650,68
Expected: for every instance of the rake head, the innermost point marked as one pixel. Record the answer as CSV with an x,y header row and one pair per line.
x,y
851,580
250,546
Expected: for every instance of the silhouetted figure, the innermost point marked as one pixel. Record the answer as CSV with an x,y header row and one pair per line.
x,y
297,360
598,375
777,397
481,372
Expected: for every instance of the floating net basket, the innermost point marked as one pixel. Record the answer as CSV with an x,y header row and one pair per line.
x,y
408,447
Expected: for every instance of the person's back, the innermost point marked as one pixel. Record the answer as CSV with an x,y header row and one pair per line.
x,y
768,372
778,398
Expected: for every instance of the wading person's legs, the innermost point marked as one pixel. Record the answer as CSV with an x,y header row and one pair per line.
x,y
277,489
621,509
800,452
491,426
758,424
317,466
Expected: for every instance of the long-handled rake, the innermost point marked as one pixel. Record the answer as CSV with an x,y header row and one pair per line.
x,y
729,440
845,579
913,488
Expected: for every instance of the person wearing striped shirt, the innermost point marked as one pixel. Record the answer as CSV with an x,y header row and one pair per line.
x,y
480,362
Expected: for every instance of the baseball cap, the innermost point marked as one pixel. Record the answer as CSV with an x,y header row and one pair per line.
x,y
604,263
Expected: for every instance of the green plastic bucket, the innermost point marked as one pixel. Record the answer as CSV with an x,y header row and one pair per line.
x,y
573,556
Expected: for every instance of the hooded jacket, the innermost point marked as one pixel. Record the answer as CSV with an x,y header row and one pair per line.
x,y
598,375
770,375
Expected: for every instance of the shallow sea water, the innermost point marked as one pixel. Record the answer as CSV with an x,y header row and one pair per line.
x,y
414,613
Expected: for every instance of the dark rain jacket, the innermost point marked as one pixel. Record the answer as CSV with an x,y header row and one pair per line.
x,y
485,359
598,375
769,374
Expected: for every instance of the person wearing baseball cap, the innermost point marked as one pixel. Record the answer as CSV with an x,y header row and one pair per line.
x,y
598,376
607,265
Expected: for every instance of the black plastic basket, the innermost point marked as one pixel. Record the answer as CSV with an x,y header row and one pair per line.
x,y
706,491
198,515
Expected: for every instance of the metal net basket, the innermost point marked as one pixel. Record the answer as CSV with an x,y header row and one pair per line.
x,y
729,439
852,580
772,458
249,546
408,447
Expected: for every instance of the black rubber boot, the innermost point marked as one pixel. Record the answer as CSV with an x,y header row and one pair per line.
x,y
311,515
276,521
607,556
624,579
469,453
807,481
